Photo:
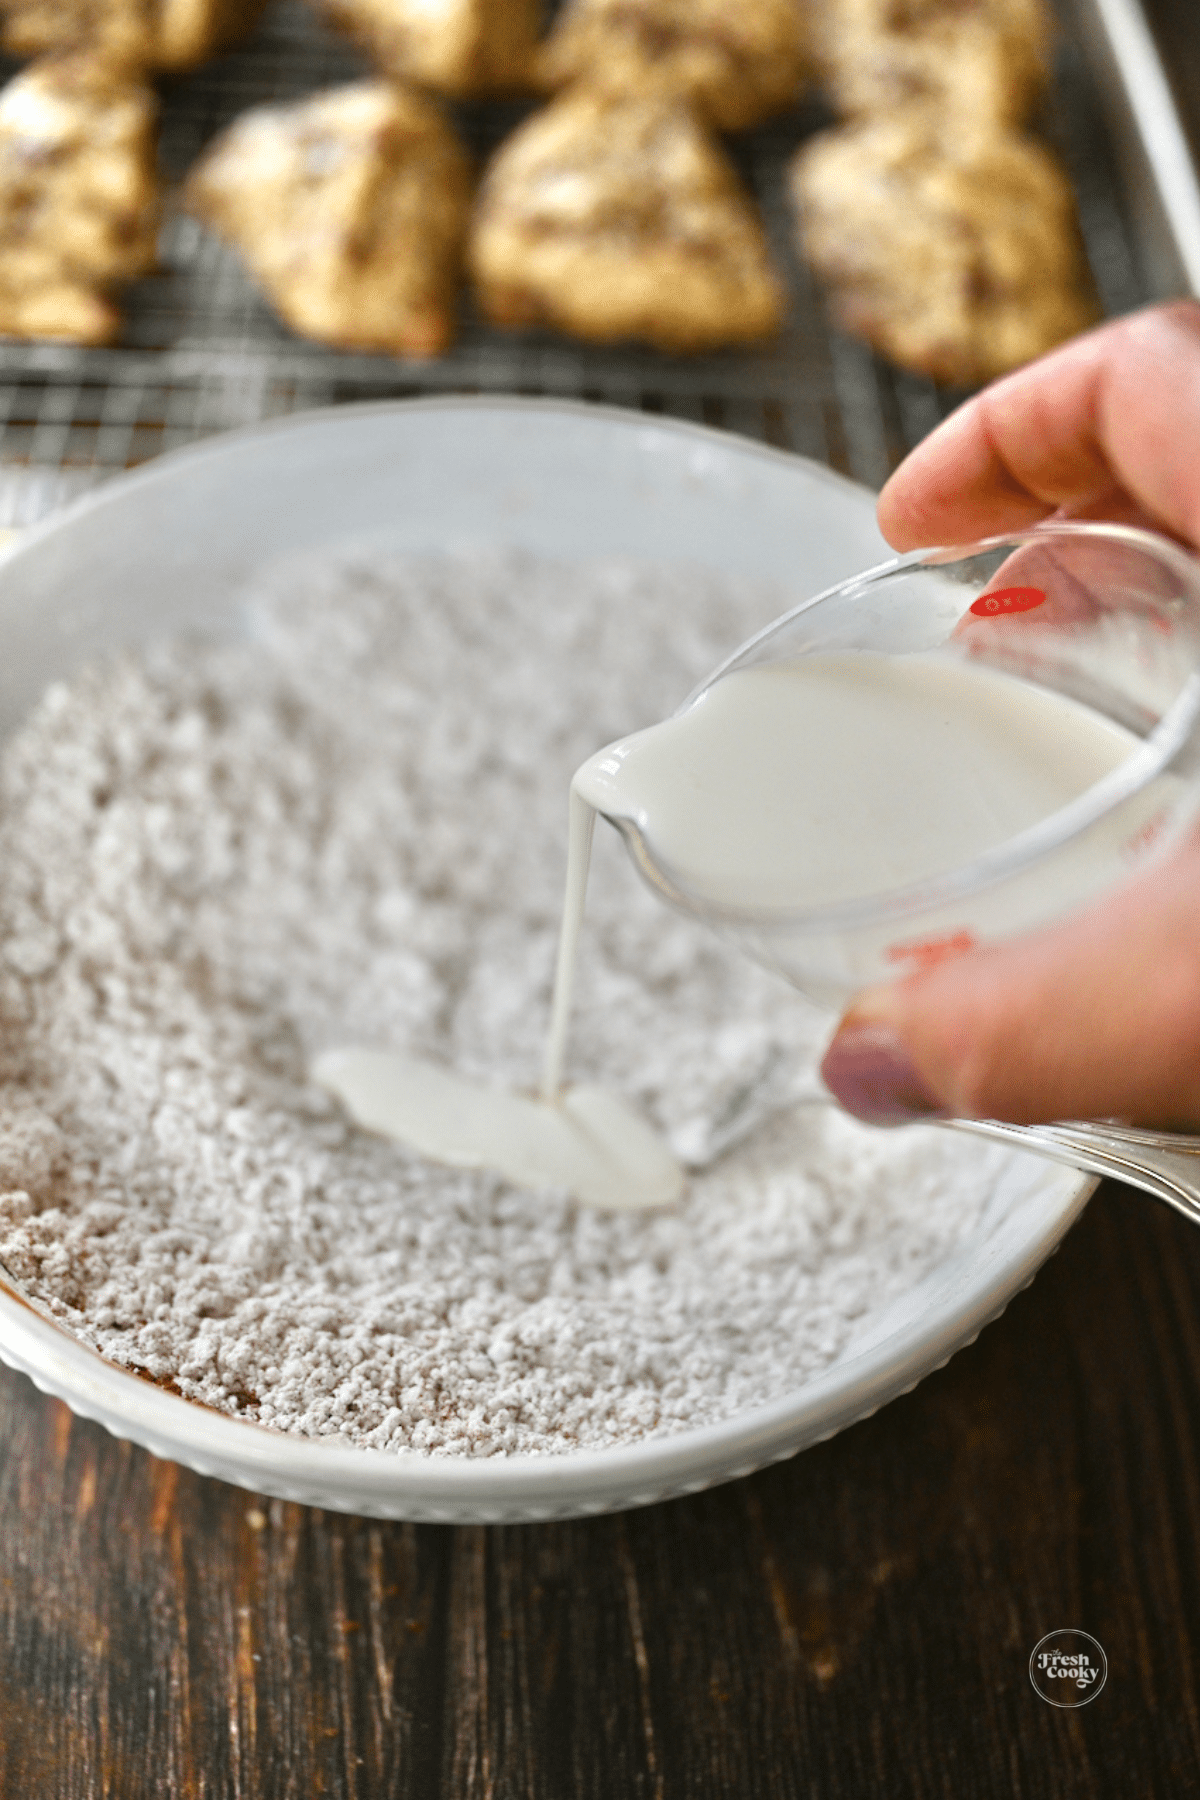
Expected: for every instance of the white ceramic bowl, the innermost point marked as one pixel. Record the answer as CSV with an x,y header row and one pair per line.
x,y
168,547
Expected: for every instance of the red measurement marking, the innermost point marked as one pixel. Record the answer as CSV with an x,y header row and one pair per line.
x,y
928,951
1008,600
1151,831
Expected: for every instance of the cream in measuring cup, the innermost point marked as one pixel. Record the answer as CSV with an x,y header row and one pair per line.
x,y
835,777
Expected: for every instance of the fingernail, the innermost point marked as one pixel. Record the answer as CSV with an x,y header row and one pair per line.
x,y
867,1069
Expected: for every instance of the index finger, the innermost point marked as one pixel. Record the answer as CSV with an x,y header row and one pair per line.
x,y
1109,424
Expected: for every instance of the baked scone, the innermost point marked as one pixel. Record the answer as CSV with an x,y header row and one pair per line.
x,y
982,60
350,208
79,198
955,254
613,217
739,61
149,34
463,48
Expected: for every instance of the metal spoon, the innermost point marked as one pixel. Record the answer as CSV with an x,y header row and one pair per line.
x,y
1164,1164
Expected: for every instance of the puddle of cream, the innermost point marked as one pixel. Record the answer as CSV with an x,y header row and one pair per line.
x,y
586,1140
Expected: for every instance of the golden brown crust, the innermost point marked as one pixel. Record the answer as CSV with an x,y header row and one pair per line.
x,y
349,208
79,200
612,218
463,48
188,32
147,34
982,60
739,61
957,257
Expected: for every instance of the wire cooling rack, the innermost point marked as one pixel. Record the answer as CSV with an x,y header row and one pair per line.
x,y
201,352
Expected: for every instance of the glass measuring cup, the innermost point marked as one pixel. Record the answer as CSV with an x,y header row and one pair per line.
x,y
1106,617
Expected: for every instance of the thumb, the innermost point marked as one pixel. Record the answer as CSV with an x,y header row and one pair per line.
x,y
1097,1016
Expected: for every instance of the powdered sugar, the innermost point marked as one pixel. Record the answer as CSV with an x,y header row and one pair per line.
x,y
221,859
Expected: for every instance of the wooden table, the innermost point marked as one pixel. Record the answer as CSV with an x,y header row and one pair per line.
x,y
857,1622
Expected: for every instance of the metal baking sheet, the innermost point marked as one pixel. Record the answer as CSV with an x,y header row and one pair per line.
x,y
1154,160
201,352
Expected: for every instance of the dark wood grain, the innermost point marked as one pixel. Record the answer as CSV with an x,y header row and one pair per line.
x,y
855,1622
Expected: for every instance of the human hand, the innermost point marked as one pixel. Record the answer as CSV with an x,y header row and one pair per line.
x,y
1099,1014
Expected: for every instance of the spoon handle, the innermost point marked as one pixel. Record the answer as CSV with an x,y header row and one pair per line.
x,y
1163,1164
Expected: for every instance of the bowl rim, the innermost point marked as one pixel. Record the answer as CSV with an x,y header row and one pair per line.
x,y
111,489
455,1489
